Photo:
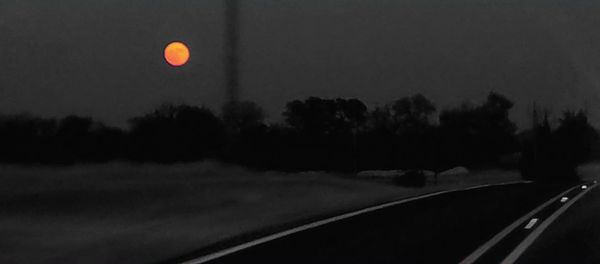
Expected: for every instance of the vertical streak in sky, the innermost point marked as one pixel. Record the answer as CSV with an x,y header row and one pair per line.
x,y
232,37
574,40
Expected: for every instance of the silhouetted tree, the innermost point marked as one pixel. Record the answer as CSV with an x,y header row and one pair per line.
x,y
314,116
352,112
537,150
412,112
380,119
325,117
412,123
400,134
575,137
379,142
29,139
177,133
247,133
476,135
25,138
242,115
553,155
109,143
317,134
75,138
326,129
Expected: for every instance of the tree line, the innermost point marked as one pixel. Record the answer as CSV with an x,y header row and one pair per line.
x,y
315,134
552,154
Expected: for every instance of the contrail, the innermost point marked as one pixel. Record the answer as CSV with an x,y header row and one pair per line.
x,y
232,60
570,38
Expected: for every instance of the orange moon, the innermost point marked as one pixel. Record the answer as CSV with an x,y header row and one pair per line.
x,y
177,54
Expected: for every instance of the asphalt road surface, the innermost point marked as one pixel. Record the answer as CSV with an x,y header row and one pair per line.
x,y
573,238
439,229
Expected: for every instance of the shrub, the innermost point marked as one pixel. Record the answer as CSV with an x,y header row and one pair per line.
x,y
412,178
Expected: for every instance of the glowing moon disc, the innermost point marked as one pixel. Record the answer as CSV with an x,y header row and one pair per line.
x,y
177,54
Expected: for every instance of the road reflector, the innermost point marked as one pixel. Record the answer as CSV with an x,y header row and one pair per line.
x,y
564,199
531,223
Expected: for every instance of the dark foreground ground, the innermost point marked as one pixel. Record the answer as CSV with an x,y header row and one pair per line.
x,y
439,229
145,213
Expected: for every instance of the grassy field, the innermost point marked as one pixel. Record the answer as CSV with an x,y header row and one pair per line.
x,y
123,213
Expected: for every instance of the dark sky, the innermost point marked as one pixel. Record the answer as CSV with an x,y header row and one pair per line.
x,y
104,57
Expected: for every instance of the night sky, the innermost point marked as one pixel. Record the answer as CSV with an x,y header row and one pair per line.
x,y
104,58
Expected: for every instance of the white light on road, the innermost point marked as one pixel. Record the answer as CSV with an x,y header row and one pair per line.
x,y
584,187
531,223
564,199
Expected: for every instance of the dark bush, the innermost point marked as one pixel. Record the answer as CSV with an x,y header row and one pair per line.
x,y
176,133
317,134
553,155
411,178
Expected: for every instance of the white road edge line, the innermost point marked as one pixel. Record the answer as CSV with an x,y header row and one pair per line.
x,y
518,251
498,237
224,252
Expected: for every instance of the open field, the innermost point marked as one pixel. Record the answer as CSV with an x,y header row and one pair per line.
x,y
122,213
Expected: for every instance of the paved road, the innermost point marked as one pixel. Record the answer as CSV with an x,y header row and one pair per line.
x,y
573,238
438,229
